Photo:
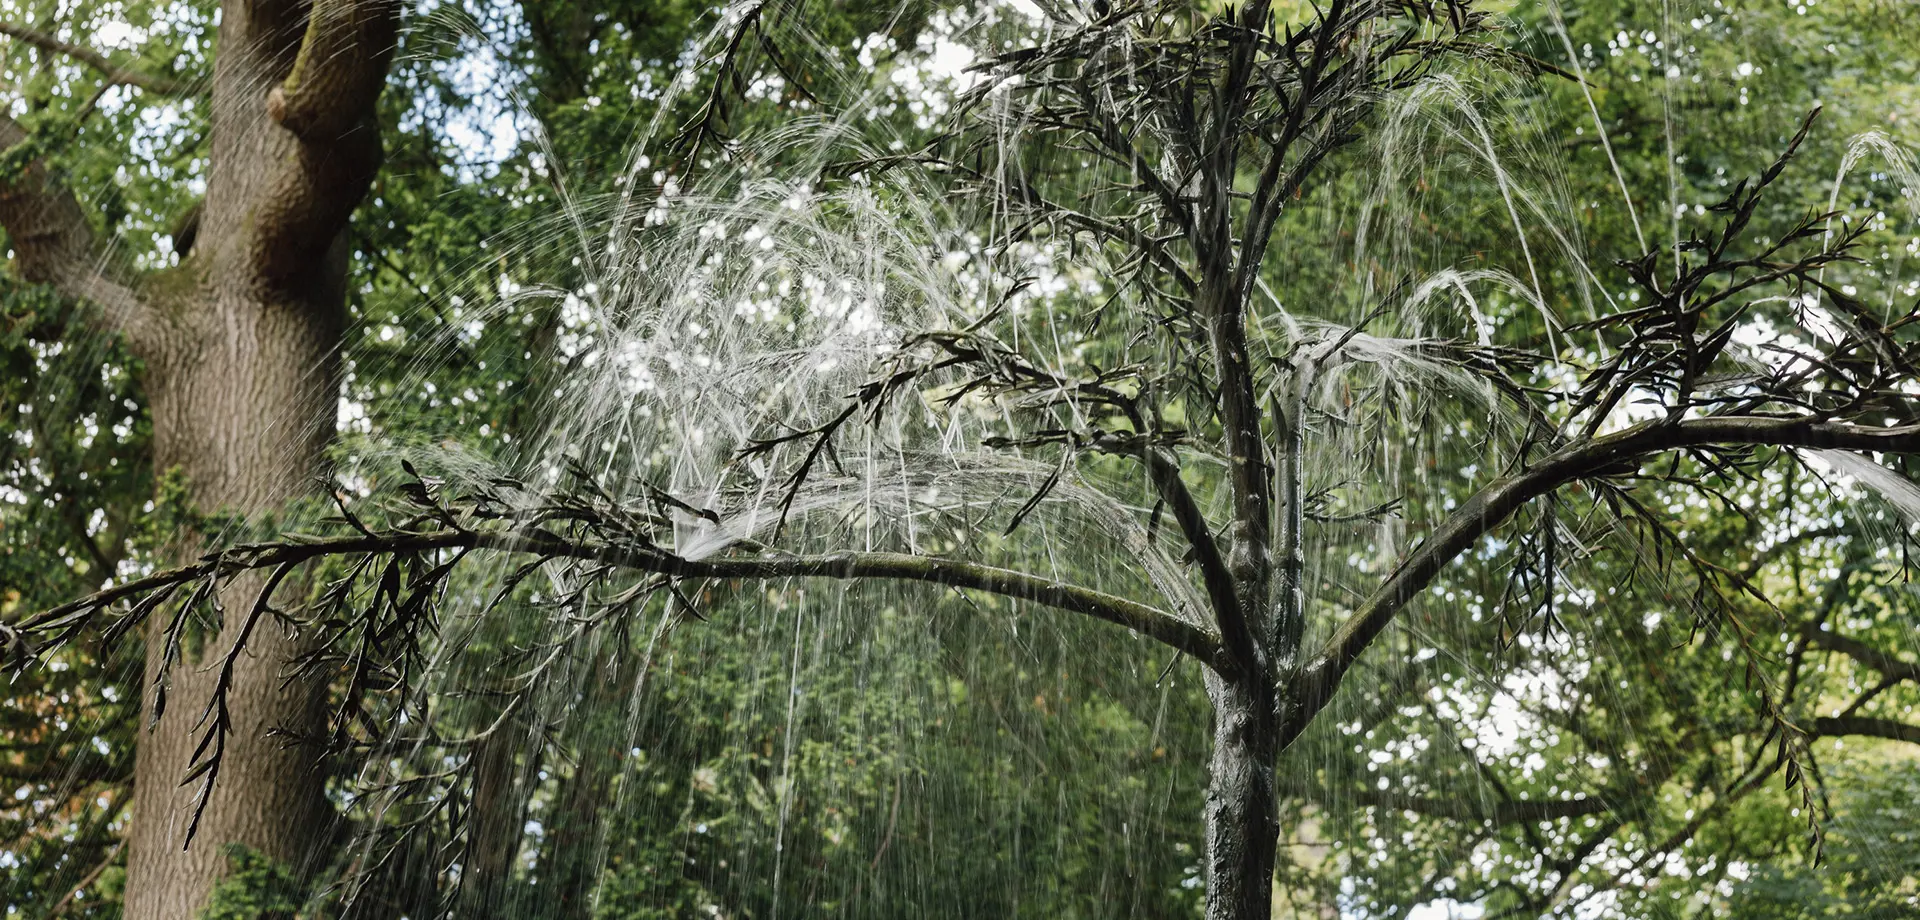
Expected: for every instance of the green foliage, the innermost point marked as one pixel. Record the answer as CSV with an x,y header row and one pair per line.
x,y
946,774
72,485
1872,869
257,888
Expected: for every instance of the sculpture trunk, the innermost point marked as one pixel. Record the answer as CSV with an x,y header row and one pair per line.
x,y
1241,816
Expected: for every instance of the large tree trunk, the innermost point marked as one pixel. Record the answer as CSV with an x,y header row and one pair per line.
x,y
240,343
244,409
1241,812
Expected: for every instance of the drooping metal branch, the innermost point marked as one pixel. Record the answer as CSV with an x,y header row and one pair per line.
x,y
1149,621
1495,504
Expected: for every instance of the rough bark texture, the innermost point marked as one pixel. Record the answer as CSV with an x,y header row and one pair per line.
x,y
240,344
242,406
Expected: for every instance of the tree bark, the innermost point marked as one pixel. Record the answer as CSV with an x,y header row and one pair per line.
x,y
243,409
1242,816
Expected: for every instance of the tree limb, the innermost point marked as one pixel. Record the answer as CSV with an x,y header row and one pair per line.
x,y
1494,504
1164,471
1251,484
1874,658
90,770
340,71
328,102
1464,808
114,73
59,907
53,244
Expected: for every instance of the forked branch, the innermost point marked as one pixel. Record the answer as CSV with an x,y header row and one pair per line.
x,y
328,102
1493,505
340,71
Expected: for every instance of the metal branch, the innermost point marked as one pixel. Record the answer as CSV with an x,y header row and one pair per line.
x,y
1148,621
1499,501
1214,574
